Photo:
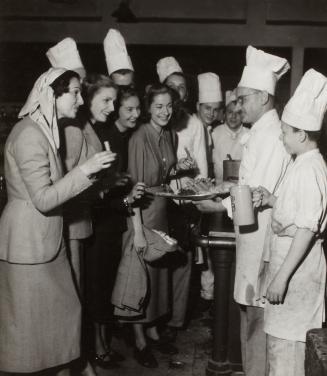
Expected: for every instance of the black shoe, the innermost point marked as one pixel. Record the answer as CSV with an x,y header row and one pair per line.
x,y
145,357
104,361
162,346
169,334
115,355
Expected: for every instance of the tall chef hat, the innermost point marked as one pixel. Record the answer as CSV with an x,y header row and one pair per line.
x,y
230,96
167,66
262,70
307,107
65,55
209,88
116,52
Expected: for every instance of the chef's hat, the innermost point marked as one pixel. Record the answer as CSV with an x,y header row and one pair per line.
x,y
65,55
116,53
230,96
209,88
307,107
167,66
262,70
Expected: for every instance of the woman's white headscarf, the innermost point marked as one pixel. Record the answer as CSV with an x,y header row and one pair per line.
x,y
41,105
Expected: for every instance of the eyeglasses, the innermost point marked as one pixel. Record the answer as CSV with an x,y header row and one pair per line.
x,y
240,98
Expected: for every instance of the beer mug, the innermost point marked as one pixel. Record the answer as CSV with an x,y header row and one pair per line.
x,y
242,207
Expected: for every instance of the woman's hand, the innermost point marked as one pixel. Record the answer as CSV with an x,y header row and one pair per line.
x,y
140,242
276,291
187,163
136,193
262,197
98,162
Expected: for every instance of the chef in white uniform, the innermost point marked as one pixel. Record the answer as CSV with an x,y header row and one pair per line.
x,y
264,160
297,268
119,63
227,138
210,108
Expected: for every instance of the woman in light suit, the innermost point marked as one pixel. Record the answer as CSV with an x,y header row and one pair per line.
x,y
39,306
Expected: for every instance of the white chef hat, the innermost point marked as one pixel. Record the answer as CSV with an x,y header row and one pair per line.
x,y
262,70
167,66
209,88
307,107
116,52
230,96
65,55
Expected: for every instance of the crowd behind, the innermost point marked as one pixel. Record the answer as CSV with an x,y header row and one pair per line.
x,y
84,225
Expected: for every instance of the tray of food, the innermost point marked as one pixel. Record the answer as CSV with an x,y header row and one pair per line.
x,y
196,190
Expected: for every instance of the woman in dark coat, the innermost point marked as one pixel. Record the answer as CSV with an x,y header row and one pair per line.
x,y
109,213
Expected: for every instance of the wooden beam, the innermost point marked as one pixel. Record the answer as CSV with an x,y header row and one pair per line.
x,y
297,67
168,33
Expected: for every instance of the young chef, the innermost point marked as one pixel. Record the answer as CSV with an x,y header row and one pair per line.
x,y
227,138
297,266
264,160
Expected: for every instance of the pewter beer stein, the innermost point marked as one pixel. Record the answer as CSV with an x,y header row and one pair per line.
x,y
242,207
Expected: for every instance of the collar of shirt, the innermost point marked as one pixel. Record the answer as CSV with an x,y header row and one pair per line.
x,y
269,117
307,154
231,133
116,129
155,135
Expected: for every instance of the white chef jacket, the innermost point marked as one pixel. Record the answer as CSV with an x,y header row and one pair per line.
x,y
264,162
301,203
225,141
192,137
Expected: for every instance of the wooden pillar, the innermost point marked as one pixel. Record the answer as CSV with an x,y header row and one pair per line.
x,y
296,67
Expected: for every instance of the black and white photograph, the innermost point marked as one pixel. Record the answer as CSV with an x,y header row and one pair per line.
x,y
163,187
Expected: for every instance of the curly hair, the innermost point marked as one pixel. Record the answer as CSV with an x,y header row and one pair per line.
x,y
61,84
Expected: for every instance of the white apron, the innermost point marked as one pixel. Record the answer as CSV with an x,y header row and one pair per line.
x,y
264,162
301,203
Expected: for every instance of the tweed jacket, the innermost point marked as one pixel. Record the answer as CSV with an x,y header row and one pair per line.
x,y
31,225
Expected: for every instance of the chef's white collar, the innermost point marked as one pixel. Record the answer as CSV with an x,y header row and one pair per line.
x,y
267,118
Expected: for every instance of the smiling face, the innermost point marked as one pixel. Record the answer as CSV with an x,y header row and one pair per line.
x,y
233,116
210,112
68,103
161,109
102,104
129,112
177,83
249,102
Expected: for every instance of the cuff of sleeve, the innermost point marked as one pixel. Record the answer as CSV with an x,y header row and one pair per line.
x,y
228,205
309,223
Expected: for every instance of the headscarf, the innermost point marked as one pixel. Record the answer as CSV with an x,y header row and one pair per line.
x,y
41,103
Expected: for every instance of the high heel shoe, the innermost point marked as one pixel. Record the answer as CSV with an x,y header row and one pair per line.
x,y
105,361
115,355
145,357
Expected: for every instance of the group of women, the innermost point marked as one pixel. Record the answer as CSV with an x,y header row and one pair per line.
x,y
66,165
